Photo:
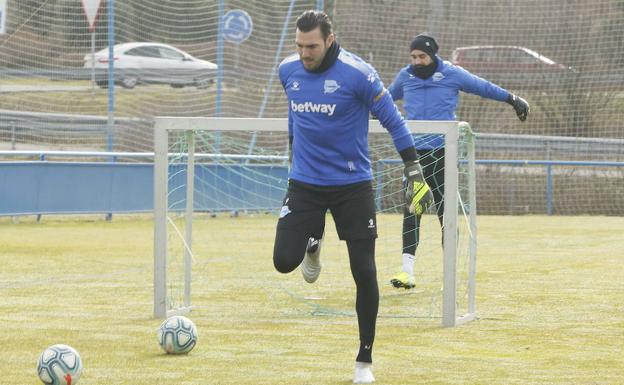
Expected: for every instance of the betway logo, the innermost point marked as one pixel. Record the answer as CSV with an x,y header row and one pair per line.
x,y
313,107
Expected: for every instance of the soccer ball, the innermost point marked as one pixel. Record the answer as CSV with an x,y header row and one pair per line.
x,y
59,365
177,335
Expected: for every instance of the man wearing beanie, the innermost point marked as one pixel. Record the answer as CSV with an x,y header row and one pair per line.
x,y
430,88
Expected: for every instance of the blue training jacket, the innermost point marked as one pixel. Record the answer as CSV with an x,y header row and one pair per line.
x,y
436,97
328,119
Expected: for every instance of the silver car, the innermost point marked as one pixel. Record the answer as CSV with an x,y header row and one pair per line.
x,y
151,63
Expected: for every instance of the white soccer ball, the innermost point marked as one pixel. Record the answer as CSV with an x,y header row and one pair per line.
x,y
177,335
59,365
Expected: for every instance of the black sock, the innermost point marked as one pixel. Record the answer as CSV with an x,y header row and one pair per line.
x,y
366,353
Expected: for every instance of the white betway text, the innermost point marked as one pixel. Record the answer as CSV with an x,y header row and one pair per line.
x,y
313,107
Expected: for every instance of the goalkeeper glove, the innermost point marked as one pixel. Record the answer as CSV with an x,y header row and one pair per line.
x,y
520,106
417,194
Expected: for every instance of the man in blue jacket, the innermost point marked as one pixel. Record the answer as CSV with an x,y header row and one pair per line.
x,y
330,93
430,88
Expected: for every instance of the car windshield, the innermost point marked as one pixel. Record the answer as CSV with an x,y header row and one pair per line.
x,y
167,53
540,57
144,51
493,54
517,56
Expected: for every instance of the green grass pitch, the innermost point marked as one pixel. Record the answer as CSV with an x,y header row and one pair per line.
x,y
550,294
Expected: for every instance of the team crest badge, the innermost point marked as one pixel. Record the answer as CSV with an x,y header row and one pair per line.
x,y
330,86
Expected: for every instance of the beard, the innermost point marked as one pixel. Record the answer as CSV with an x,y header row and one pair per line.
x,y
425,71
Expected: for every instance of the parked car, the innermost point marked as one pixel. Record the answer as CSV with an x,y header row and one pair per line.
x,y
512,66
153,63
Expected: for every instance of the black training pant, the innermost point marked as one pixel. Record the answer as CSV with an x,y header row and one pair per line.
x,y
432,163
353,208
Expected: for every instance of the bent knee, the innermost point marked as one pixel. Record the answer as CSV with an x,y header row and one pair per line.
x,y
284,264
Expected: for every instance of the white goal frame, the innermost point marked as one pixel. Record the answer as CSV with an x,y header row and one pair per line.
x,y
450,130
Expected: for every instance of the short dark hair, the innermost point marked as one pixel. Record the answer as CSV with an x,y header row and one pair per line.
x,y
312,19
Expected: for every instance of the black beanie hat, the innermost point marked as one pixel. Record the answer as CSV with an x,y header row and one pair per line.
x,y
425,43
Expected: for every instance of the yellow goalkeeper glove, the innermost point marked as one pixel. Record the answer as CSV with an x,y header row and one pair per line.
x,y
417,194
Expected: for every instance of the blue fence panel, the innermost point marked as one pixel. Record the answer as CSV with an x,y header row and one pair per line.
x,y
73,188
231,187
28,188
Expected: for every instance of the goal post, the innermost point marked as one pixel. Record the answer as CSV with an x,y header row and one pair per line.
x,y
184,145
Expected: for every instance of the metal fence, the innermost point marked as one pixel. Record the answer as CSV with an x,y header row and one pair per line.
x,y
114,180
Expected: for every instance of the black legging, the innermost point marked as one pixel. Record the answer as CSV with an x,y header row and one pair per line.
x,y
288,254
432,162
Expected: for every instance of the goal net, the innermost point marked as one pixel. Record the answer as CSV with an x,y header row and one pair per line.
x,y
219,184
564,57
